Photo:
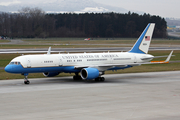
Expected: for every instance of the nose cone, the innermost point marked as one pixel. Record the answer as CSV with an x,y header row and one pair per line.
x,y
8,68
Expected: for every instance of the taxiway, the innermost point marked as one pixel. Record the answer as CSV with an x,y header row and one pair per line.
x,y
134,96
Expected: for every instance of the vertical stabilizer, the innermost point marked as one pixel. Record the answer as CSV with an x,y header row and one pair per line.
x,y
143,42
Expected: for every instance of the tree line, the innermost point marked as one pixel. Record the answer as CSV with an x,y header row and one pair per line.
x,y
33,22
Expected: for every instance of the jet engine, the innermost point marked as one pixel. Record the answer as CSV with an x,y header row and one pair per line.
x,y
50,74
89,73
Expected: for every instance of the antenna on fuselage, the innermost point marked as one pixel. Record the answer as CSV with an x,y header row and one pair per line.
x,y
49,51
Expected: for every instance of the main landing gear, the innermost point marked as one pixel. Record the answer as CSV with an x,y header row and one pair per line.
x,y
26,81
77,77
100,79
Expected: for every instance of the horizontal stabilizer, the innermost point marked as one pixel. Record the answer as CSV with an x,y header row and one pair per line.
x,y
162,56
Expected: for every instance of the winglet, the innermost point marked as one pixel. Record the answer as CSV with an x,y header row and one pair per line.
x,y
49,51
166,61
169,57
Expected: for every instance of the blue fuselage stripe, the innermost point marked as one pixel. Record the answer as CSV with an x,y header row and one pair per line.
x,y
18,69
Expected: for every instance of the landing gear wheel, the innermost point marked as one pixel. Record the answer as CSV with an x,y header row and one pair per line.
x,y
100,79
74,77
77,77
97,79
26,82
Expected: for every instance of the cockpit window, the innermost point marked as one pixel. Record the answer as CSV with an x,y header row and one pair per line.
x,y
14,63
11,63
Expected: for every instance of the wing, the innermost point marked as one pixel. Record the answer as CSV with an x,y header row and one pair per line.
x,y
105,67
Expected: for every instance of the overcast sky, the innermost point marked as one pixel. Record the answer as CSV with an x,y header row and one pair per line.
x,y
163,8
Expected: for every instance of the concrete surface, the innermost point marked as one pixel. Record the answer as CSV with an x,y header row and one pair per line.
x,y
135,96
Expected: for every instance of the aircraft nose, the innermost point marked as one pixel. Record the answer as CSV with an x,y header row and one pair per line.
x,y
8,68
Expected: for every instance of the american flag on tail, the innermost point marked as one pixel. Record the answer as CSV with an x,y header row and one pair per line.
x,y
147,38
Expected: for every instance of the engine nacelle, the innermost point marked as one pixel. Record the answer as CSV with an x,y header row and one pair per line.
x,y
89,73
50,74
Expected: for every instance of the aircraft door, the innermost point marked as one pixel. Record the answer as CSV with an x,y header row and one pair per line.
x,y
60,61
112,60
135,59
28,63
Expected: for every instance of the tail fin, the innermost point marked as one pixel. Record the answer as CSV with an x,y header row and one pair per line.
x,y
143,42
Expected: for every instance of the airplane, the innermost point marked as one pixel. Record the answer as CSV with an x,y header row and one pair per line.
x,y
86,66
87,39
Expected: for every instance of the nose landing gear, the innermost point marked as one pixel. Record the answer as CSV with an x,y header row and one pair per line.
x,y
26,81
